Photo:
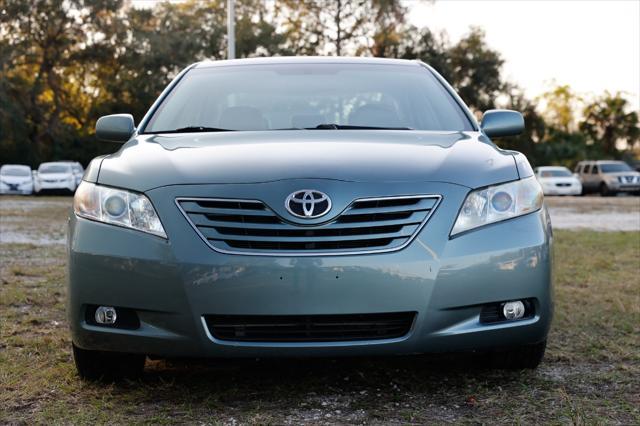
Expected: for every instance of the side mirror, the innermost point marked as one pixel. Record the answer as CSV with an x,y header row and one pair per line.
x,y
502,122
115,128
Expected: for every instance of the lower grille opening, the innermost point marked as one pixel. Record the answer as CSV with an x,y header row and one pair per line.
x,y
309,328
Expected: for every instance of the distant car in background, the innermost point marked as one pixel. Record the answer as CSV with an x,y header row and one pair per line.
x,y
55,176
16,179
557,180
78,170
607,177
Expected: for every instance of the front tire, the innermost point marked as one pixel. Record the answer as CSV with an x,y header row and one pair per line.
x,y
604,190
518,358
107,366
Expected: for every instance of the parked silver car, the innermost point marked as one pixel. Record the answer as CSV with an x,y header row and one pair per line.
x,y
558,181
16,179
607,177
55,176
77,170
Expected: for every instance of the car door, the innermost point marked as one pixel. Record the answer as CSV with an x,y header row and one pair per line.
x,y
595,177
583,175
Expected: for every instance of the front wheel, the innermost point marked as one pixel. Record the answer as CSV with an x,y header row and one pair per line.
x,y
518,358
107,366
604,190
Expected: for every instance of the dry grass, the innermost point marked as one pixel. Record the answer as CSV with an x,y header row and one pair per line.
x,y
591,373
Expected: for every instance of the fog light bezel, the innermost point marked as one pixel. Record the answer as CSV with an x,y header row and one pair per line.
x,y
492,313
127,318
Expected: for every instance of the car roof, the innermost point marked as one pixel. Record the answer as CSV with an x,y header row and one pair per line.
x,y
552,168
306,60
64,163
22,166
600,161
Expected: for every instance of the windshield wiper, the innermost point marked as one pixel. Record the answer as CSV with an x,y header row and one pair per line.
x,y
333,126
194,129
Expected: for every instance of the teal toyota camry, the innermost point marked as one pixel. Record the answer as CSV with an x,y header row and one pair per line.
x,y
298,207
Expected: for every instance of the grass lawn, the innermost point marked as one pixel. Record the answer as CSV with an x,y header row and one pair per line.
x,y
591,373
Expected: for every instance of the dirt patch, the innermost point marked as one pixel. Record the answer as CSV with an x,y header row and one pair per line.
x,y
595,213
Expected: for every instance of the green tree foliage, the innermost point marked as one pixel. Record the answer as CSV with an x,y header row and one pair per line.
x,y
388,28
470,65
560,105
607,122
65,63
333,27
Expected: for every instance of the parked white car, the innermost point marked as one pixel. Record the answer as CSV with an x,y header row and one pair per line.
x,y
558,181
55,176
16,179
78,170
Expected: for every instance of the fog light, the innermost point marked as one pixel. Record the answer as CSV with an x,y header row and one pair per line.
x,y
107,315
512,310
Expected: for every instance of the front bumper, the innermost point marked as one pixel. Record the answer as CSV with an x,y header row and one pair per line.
x,y
55,186
172,283
16,189
619,187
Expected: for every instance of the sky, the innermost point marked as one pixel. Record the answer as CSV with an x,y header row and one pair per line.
x,y
591,45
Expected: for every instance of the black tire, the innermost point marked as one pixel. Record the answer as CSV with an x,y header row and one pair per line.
x,y
518,358
107,366
604,190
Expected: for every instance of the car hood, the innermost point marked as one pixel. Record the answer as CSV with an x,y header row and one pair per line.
x,y
151,161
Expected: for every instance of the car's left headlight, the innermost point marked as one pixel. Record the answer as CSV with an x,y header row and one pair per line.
x,y
499,202
117,207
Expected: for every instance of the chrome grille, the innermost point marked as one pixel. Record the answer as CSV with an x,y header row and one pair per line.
x,y
251,227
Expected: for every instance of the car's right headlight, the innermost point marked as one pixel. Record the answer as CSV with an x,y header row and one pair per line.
x,y
117,207
499,202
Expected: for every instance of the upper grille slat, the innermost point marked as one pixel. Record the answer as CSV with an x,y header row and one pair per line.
x,y
212,234
195,208
251,227
364,207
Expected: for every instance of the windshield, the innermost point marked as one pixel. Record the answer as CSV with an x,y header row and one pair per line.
x,y
53,168
555,173
615,167
15,171
285,96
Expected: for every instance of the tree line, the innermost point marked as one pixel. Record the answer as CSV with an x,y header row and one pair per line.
x,y
65,63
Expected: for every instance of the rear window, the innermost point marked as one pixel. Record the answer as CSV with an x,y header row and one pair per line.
x,y
299,96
